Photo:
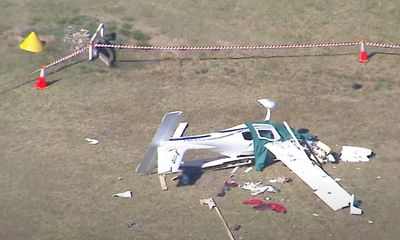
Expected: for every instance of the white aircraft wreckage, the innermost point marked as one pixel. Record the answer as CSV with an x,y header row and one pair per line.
x,y
245,144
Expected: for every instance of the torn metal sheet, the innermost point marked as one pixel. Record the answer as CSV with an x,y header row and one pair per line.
x,y
92,141
355,154
127,194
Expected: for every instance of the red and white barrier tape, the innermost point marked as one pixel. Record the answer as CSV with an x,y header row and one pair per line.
x,y
82,50
382,45
252,47
211,48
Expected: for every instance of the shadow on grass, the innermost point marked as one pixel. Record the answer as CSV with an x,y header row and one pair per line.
x,y
382,53
189,175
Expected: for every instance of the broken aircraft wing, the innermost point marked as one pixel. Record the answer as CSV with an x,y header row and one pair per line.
x,y
291,153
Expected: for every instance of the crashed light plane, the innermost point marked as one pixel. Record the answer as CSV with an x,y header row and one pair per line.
x,y
245,144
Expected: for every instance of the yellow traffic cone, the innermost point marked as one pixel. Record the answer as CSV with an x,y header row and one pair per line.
x,y
32,43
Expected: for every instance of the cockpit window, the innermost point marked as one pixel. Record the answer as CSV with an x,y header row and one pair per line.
x,y
247,135
266,134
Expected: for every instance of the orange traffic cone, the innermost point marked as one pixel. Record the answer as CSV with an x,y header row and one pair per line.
x,y
363,54
41,82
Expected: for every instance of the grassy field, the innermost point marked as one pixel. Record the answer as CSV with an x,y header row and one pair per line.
x,y
54,185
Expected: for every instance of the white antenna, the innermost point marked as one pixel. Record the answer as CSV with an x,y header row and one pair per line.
x,y
269,105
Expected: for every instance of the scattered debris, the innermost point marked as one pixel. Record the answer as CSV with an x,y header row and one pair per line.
x,y
331,158
211,204
249,169
92,141
174,178
234,170
315,215
356,86
127,194
120,178
378,177
268,198
260,205
281,180
319,151
75,39
338,179
231,183
355,154
163,182
257,188
132,225
370,221
227,186
236,227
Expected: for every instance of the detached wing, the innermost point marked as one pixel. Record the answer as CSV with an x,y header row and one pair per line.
x,y
323,185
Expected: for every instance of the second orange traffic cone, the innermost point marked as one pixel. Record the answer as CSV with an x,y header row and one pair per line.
x,y
363,54
41,82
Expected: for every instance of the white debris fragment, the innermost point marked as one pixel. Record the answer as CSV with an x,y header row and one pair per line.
x,y
234,170
355,154
174,178
92,141
127,194
257,188
315,215
370,221
120,178
378,177
280,180
338,179
331,158
249,169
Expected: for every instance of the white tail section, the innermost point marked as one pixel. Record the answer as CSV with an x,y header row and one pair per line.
x,y
167,128
169,158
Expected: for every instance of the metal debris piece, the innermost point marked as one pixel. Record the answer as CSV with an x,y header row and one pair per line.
x,y
127,194
163,182
234,170
356,86
132,225
236,227
355,154
281,180
249,169
92,141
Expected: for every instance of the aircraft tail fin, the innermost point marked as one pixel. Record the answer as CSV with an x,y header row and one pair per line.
x,y
167,128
